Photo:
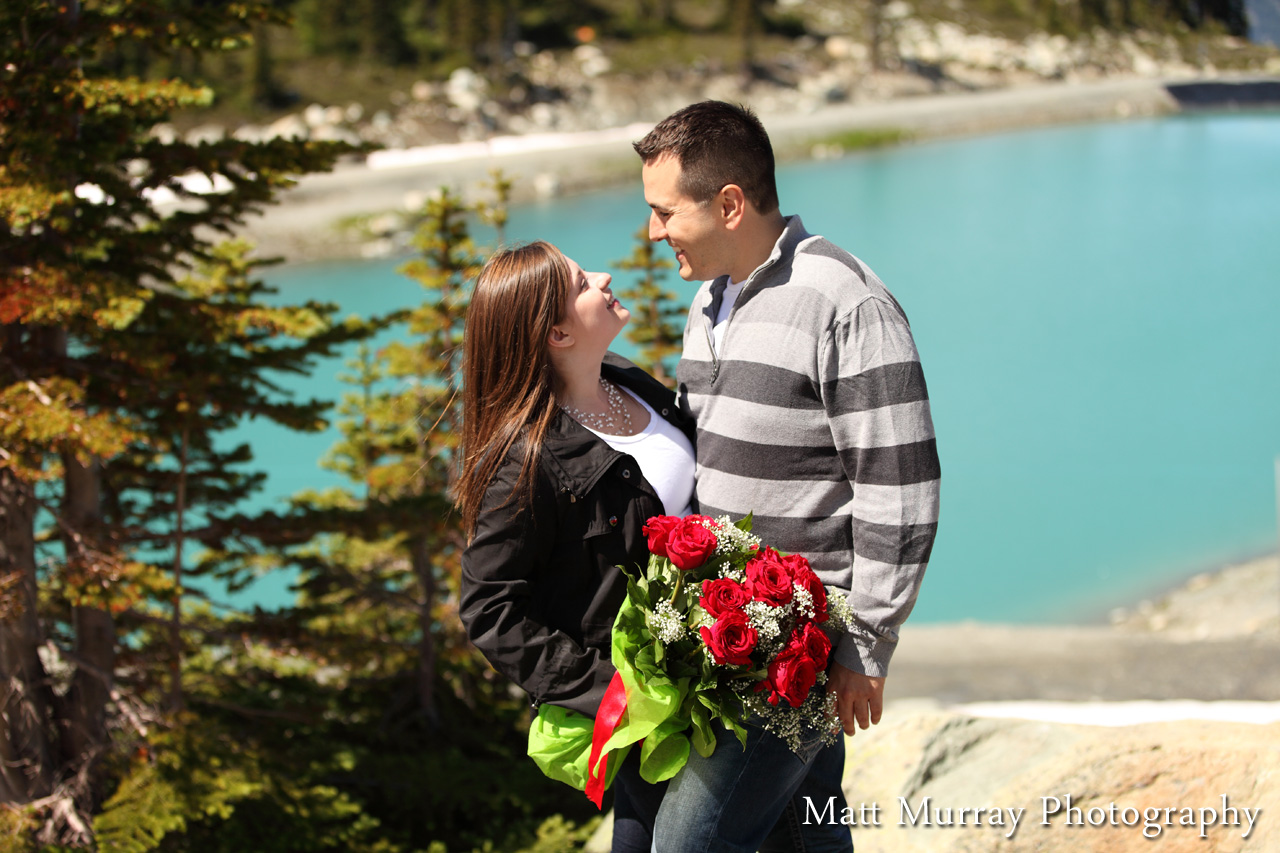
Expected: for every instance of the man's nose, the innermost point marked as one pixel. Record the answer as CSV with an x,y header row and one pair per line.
x,y
656,230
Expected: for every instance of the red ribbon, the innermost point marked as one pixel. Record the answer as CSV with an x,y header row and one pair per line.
x,y
610,711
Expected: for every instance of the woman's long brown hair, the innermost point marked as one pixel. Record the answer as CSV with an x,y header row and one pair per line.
x,y
508,386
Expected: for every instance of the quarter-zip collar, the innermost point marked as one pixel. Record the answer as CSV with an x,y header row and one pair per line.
x,y
793,234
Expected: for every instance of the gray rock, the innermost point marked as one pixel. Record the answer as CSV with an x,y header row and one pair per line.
x,y
466,89
951,761
250,133
423,90
289,127
314,115
164,132
205,133
330,133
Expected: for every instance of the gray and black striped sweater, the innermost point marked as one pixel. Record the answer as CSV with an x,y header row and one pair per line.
x,y
814,416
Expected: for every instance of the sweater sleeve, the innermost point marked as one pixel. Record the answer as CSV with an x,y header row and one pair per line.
x,y
507,558
877,404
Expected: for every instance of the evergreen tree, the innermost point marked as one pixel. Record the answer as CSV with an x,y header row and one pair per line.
x,y
379,569
98,219
657,320
378,580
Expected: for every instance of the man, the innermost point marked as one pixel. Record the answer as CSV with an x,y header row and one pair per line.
x,y
801,372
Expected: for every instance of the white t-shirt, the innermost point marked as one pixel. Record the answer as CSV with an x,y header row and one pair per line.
x,y
665,457
730,296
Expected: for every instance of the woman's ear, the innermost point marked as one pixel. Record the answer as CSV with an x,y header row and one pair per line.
x,y
559,338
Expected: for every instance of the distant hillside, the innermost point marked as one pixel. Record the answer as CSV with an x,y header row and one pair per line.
x,y
339,51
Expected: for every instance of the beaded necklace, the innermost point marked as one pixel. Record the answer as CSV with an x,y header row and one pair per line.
x,y
608,422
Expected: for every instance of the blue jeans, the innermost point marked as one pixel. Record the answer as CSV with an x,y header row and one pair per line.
x,y
741,800
635,806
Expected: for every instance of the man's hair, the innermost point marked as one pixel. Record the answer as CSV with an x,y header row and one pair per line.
x,y
716,144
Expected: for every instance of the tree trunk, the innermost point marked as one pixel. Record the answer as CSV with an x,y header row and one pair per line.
x,y
85,723
26,760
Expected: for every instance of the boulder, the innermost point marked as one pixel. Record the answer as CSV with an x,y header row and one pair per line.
x,y
331,133
205,133
466,89
939,781
288,127
591,60
250,133
1187,785
423,90
314,115
166,133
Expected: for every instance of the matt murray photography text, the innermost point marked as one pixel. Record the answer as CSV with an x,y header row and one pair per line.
x,y
1054,812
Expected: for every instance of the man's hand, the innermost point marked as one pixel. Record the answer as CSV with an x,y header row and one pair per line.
x,y
859,698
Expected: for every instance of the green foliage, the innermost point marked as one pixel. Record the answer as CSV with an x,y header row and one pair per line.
x,y
657,319
864,139
116,371
204,791
133,341
557,835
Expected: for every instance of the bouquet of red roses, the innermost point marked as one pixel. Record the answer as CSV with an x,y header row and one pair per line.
x,y
719,628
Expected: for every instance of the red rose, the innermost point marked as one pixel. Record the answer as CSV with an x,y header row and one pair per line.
x,y
768,579
656,530
722,595
795,562
793,674
731,639
690,543
805,577
794,671
815,642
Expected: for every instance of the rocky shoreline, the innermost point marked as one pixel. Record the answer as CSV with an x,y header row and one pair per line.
x,y
1174,705
560,122
362,208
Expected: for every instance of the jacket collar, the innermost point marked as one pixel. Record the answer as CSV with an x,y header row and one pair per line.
x,y
574,455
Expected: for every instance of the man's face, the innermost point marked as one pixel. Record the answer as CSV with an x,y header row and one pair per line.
x,y
693,229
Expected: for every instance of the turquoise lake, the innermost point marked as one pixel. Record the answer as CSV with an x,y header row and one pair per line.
x,y
1097,308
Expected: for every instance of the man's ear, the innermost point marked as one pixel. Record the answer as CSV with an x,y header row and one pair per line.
x,y
733,206
559,338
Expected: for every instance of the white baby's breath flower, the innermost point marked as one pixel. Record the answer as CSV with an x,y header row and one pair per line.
x,y
666,624
729,539
839,613
802,602
765,619
733,573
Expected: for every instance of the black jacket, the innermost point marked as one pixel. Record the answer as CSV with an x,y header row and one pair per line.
x,y
540,589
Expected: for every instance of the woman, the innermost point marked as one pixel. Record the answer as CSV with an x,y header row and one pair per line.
x,y
567,450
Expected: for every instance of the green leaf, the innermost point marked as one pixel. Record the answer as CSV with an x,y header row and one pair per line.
x,y
663,754
738,729
704,738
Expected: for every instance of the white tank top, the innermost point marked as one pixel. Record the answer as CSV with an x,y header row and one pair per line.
x,y
665,457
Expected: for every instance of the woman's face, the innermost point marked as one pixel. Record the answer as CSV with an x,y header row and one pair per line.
x,y
593,315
